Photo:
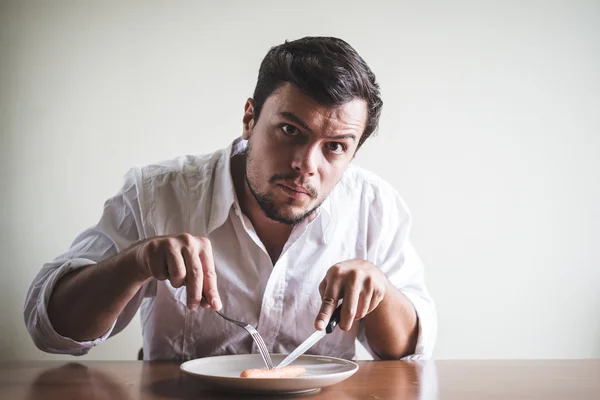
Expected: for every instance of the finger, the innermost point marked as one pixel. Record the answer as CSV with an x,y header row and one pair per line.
x,y
204,303
175,268
351,295
364,304
210,276
366,297
322,287
375,300
193,278
156,260
328,305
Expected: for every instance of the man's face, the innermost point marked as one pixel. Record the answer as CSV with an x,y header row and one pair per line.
x,y
298,150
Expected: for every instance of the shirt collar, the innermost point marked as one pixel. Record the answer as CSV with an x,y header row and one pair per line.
x,y
325,218
224,196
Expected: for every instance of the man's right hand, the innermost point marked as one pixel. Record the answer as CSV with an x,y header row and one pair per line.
x,y
183,260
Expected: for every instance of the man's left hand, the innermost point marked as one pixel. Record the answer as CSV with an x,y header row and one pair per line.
x,y
362,286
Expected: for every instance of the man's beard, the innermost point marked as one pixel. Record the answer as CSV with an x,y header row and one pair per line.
x,y
266,204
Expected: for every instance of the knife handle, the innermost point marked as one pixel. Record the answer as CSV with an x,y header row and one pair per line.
x,y
334,320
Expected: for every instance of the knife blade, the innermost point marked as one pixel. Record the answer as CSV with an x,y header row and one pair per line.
x,y
313,339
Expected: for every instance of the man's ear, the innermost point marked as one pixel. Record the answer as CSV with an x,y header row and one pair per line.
x,y
248,119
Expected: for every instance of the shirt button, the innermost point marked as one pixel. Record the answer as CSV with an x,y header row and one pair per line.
x,y
270,302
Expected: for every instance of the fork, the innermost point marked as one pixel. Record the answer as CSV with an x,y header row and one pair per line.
x,y
260,343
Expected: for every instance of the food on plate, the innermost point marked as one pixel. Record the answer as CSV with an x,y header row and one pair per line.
x,y
291,371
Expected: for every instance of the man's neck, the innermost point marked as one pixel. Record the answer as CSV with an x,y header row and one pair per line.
x,y
272,234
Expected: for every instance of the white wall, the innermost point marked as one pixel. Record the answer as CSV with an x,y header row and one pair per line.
x,y
490,131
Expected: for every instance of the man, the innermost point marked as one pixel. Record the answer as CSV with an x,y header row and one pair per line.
x,y
276,230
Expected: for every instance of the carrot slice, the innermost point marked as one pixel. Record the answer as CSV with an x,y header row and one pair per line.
x,y
291,371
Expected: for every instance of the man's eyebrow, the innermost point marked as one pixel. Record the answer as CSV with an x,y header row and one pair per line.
x,y
343,136
293,117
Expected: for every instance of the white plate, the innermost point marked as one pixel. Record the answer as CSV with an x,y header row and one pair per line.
x,y
224,372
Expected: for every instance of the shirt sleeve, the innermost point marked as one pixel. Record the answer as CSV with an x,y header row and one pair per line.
x,y
393,252
118,228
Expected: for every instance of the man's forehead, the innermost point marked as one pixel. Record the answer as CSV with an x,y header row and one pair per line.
x,y
289,99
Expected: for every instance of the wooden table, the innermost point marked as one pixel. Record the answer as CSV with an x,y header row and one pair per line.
x,y
571,380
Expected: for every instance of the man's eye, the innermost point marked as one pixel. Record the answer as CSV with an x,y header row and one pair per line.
x,y
336,147
289,130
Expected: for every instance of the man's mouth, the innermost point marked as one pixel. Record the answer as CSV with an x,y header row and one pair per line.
x,y
296,188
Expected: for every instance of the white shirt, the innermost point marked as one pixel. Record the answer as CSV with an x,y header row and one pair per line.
x,y
362,218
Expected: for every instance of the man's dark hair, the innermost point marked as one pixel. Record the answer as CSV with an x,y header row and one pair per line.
x,y
327,69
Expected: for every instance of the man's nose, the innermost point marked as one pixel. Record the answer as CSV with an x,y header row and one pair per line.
x,y
306,159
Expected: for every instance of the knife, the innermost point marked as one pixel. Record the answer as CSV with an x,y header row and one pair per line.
x,y
313,339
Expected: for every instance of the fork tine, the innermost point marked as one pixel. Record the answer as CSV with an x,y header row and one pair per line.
x,y
261,348
268,357
264,351
260,343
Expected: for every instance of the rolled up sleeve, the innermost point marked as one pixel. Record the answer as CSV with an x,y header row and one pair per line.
x,y
395,255
36,312
417,294
118,228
